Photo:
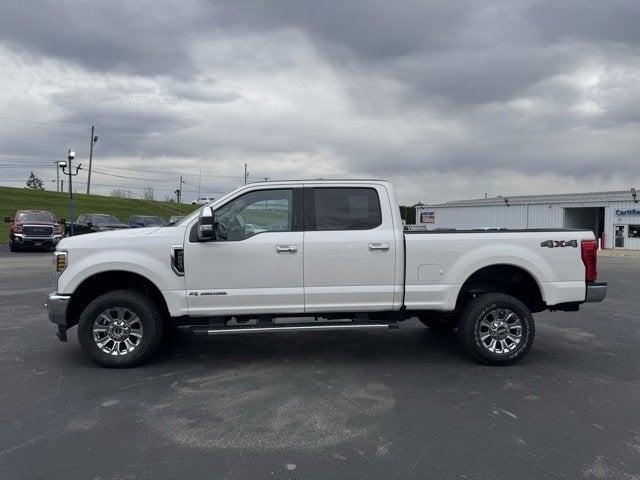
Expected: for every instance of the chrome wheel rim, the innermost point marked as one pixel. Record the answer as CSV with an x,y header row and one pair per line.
x,y
117,331
500,330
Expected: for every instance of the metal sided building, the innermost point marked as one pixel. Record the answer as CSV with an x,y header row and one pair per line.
x,y
614,217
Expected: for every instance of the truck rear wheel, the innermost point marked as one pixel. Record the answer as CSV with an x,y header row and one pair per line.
x,y
120,329
497,329
441,324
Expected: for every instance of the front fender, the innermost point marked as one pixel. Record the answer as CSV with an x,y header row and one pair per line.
x,y
150,264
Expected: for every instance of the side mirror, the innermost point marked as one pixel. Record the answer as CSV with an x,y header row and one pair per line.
x,y
7,219
90,224
206,230
62,221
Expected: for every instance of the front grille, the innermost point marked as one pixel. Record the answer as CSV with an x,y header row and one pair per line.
x,y
37,231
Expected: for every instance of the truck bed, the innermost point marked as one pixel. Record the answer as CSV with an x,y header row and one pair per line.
x,y
552,257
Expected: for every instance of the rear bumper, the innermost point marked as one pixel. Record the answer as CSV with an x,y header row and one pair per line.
x,y
57,306
596,291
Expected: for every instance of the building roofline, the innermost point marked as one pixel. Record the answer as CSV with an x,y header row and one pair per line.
x,y
585,197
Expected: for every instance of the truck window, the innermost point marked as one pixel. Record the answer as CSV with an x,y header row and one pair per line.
x,y
346,208
254,212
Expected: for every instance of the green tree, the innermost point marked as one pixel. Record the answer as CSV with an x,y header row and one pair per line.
x,y
34,183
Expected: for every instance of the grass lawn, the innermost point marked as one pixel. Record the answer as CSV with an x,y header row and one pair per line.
x,y
12,199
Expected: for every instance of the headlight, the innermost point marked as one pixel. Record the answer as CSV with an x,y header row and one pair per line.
x,y
60,261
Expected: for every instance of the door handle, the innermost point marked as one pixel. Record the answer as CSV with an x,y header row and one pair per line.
x,y
286,248
379,246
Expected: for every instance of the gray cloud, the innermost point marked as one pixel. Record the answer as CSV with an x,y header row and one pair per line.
x,y
380,88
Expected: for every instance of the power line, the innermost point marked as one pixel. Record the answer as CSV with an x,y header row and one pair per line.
x,y
100,172
6,165
40,123
105,134
237,177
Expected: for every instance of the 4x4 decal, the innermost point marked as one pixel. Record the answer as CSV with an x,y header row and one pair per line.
x,y
559,243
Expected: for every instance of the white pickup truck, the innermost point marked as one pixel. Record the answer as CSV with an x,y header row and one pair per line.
x,y
314,255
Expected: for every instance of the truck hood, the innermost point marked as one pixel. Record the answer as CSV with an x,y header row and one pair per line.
x,y
48,224
111,225
119,237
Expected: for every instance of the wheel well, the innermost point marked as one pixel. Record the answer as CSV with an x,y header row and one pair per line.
x,y
104,282
508,279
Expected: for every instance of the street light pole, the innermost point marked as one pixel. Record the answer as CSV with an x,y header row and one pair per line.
x,y
67,169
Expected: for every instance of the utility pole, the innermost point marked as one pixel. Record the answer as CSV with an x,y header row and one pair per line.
x,y
199,182
178,192
67,169
57,176
246,173
94,139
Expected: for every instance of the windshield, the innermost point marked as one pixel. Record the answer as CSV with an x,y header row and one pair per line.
x,y
102,219
35,217
152,221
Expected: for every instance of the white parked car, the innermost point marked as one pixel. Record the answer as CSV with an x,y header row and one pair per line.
x,y
202,200
323,250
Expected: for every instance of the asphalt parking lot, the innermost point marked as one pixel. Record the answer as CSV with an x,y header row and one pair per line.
x,y
363,404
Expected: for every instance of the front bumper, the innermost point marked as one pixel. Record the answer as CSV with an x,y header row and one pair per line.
x,y
57,306
20,239
596,291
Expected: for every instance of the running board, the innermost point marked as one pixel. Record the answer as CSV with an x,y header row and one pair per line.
x,y
289,328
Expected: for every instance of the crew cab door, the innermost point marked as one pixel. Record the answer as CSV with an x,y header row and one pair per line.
x,y
254,265
349,241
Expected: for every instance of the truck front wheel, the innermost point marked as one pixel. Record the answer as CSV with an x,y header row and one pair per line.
x,y
497,329
120,329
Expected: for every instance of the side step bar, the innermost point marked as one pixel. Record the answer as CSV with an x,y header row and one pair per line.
x,y
289,328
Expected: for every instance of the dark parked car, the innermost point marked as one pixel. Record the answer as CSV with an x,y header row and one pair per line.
x,y
137,221
95,222
33,228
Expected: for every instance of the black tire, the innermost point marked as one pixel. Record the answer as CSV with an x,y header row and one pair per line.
x,y
13,247
442,324
149,319
489,307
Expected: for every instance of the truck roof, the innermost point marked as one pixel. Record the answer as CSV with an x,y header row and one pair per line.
x,y
322,180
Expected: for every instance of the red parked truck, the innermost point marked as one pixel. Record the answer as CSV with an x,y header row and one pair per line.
x,y
34,228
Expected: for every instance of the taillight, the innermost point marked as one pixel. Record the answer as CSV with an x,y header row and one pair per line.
x,y
590,259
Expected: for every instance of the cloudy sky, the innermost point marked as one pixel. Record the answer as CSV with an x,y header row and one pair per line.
x,y
447,99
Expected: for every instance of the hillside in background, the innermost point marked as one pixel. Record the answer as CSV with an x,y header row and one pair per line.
x,y
12,199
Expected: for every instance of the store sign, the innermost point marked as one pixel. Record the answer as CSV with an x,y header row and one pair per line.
x,y
631,212
427,217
